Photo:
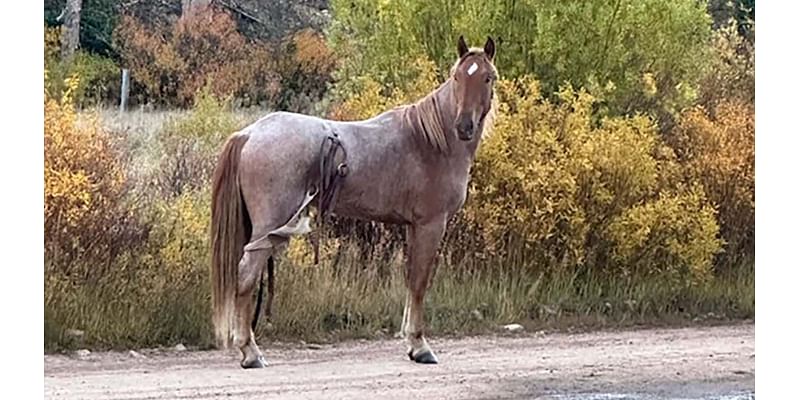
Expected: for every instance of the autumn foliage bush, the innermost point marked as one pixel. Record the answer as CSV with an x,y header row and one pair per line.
x,y
126,254
171,63
86,214
717,148
305,66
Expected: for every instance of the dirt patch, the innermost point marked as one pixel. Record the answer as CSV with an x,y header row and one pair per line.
x,y
702,362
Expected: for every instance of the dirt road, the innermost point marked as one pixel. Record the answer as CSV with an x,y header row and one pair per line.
x,y
690,363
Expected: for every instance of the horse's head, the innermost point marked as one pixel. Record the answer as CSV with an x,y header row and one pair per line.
x,y
474,75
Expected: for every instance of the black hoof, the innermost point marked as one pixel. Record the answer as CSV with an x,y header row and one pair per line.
x,y
425,357
259,362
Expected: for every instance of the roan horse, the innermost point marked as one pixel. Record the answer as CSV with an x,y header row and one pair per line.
x,y
409,165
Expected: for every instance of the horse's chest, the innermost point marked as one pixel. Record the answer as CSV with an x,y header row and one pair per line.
x,y
444,195
457,196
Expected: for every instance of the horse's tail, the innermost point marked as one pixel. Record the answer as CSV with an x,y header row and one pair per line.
x,y
230,224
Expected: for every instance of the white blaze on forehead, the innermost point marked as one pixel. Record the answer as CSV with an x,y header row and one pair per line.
x,y
472,69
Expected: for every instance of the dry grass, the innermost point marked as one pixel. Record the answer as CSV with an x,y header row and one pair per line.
x,y
349,299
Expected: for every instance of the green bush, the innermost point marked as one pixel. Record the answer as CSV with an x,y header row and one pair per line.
x,y
99,76
646,55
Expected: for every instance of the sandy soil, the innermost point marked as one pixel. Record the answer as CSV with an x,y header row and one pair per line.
x,y
688,363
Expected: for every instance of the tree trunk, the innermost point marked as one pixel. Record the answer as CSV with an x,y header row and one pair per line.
x,y
191,7
71,29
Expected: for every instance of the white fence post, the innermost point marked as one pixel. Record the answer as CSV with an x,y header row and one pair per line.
x,y
126,83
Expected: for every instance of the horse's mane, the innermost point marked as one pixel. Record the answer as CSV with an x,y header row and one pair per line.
x,y
425,119
425,116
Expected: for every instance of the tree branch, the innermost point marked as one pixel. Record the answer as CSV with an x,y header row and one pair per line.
x,y
237,9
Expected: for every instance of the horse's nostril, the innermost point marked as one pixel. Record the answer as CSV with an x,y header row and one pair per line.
x,y
465,127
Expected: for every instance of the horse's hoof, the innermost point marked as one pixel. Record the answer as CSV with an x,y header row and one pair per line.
x,y
425,357
259,362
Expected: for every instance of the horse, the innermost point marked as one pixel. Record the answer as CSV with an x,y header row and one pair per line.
x,y
409,165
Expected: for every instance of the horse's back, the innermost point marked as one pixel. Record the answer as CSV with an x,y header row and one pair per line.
x,y
280,123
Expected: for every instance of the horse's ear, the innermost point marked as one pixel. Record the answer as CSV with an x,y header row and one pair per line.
x,y
488,48
462,47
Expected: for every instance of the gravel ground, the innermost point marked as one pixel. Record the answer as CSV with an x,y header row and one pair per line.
x,y
687,363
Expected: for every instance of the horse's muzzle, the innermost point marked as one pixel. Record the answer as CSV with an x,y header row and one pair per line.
x,y
465,129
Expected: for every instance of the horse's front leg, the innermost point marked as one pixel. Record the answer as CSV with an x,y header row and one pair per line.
x,y
423,243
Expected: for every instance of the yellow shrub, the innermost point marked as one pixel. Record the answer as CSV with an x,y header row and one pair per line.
x,y
675,233
179,236
83,178
523,183
552,180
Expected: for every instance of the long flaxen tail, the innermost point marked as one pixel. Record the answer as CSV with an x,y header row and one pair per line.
x,y
230,226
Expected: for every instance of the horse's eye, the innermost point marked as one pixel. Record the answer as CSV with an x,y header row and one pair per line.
x,y
488,79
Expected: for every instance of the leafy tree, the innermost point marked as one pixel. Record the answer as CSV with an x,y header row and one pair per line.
x,y
632,55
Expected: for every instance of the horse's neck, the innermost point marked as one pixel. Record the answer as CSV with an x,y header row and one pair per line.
x,y
431,121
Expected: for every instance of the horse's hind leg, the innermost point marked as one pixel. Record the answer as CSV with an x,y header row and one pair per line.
x,y
250,268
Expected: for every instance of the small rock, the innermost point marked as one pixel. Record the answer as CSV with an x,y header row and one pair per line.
x,y
135,354
513,327
477,315
540,334
83,353
179,347
312,346
74,333
398,335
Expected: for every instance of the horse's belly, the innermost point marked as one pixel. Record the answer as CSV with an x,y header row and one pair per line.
x,y
369,212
